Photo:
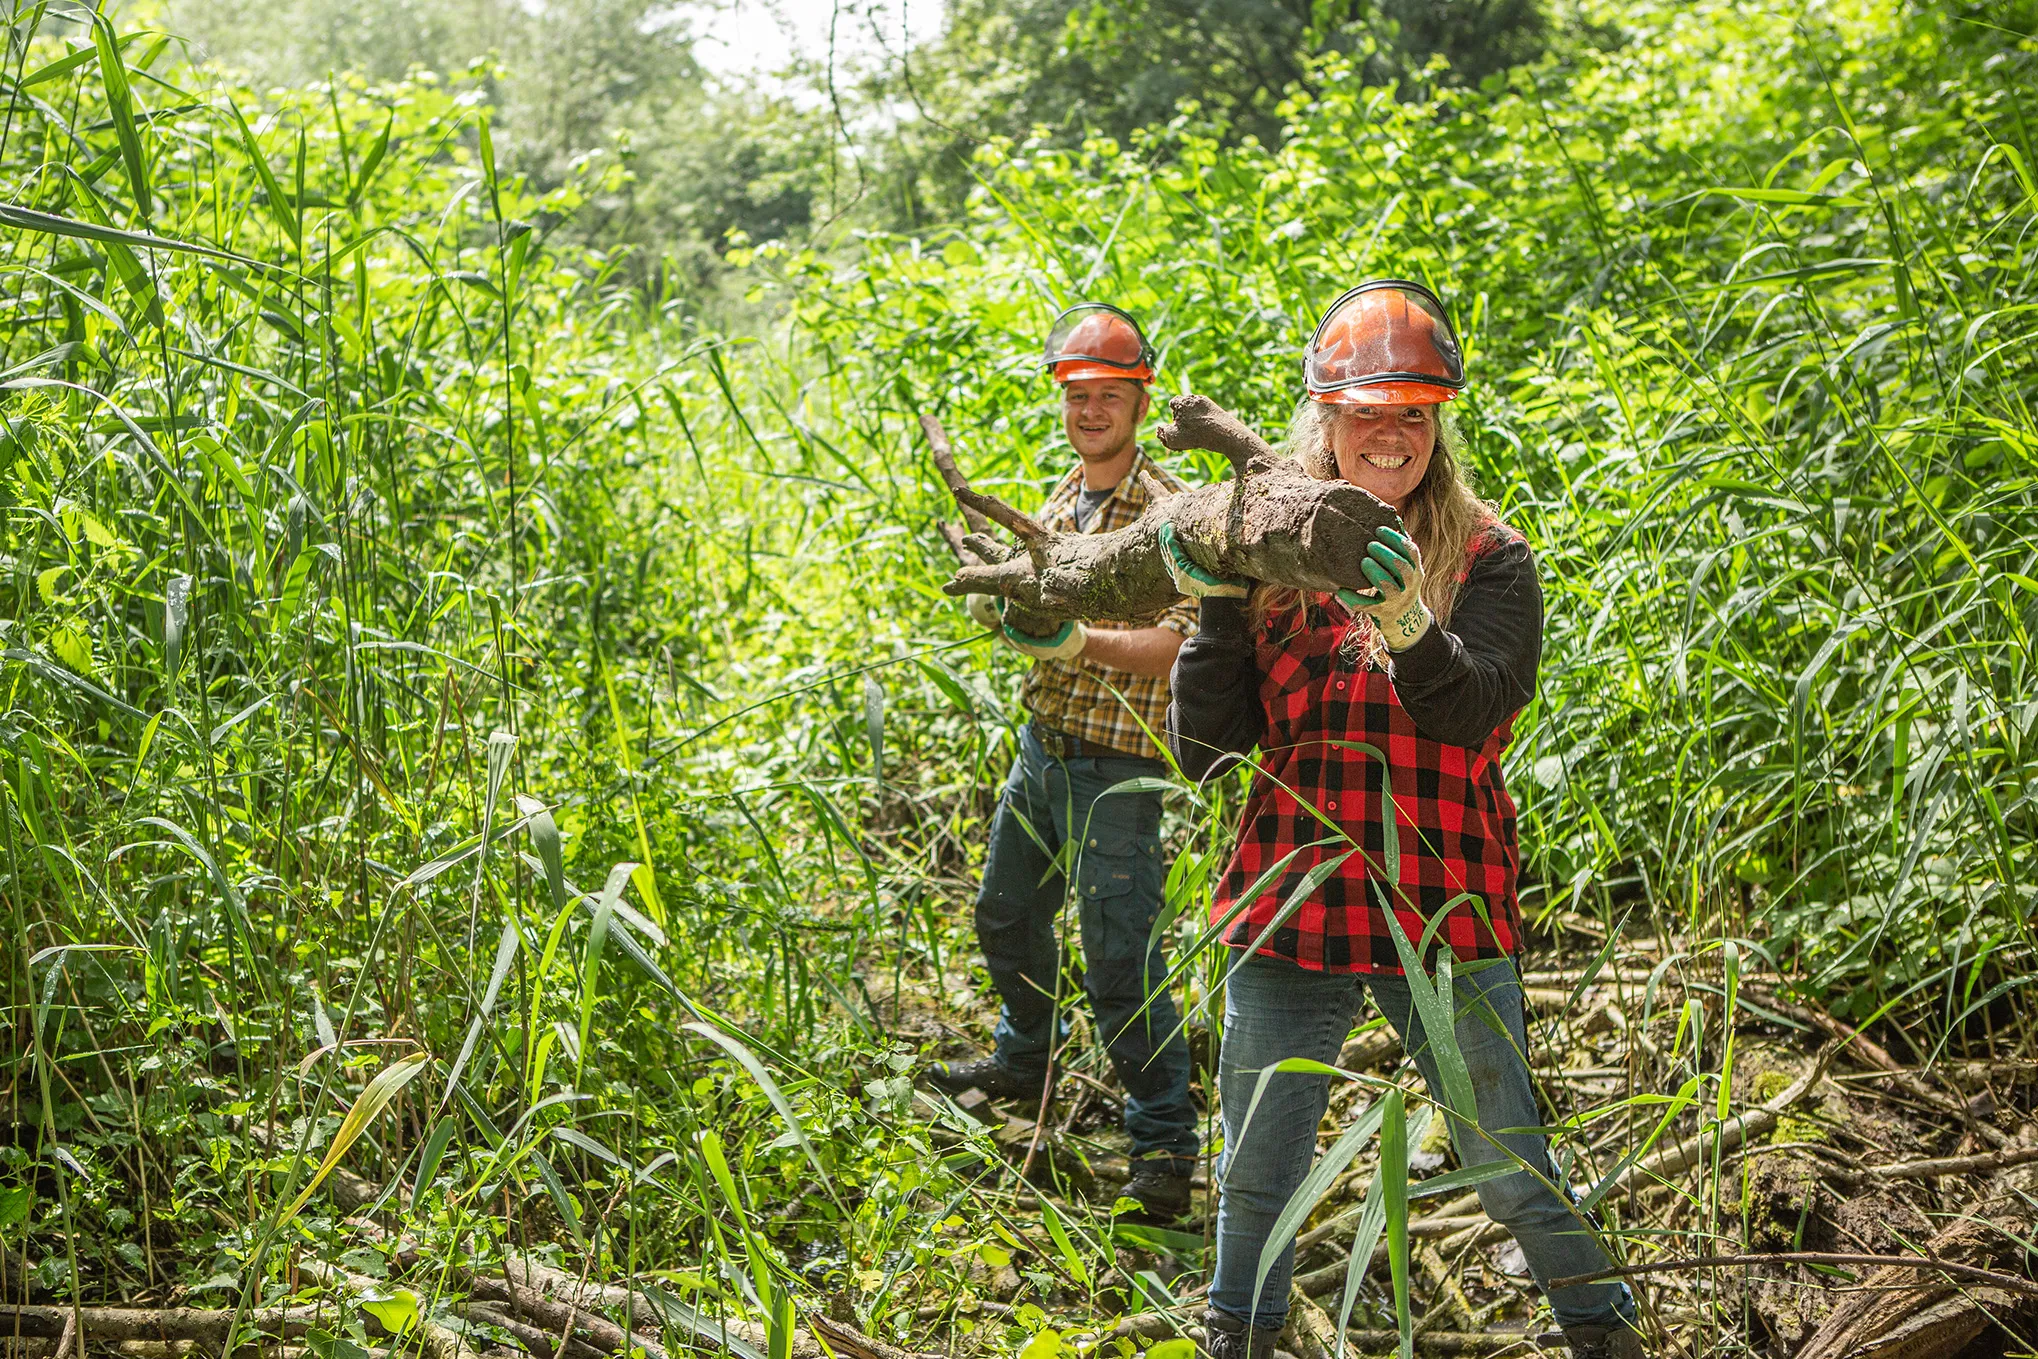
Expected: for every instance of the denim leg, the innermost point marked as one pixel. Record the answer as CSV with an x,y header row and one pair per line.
x,y
1016,907
1273,1010
1553,1239
1119,881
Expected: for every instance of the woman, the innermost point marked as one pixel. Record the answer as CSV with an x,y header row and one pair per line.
x,y
1428,666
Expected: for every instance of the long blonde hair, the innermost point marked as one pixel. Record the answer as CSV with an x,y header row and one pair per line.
x,y
1443,515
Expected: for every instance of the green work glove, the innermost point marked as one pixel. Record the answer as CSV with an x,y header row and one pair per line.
x,y
1191,579
1065,643
1394,566
987,610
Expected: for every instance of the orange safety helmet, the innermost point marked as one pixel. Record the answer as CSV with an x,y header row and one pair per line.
x,y
1096,340
1386,342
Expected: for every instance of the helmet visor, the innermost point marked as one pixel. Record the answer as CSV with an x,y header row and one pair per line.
x,y
1388,331
1095,333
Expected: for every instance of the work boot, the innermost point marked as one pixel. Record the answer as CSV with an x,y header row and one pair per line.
x,y
1229,1338
1160,1184
985,1074
1604,1342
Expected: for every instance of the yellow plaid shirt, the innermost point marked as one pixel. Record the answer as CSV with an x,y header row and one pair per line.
x,y
1076,696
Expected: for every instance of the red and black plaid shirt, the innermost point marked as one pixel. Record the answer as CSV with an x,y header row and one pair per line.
x,y
1454,822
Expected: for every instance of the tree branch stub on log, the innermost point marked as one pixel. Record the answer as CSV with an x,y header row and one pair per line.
x,y
1273,523
1198,422
974,549
1024,525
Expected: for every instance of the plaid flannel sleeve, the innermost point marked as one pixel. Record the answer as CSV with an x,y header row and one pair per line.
x,y
1179,616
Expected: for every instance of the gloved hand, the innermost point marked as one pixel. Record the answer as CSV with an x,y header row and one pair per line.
x,y
986,610
1191,579
1394,565
1063,644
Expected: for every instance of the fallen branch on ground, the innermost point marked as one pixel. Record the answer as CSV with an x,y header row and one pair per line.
x,y
1442,1343
1936,1313
1877,1056
437,1342
1659,1169
1162,1325
553,1298
538,1340
208,1324
1940,1167
2007,1282
42,1347
845,1339
1673,1161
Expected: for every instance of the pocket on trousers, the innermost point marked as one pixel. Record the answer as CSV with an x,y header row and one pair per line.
x,y
1118,880
1112,865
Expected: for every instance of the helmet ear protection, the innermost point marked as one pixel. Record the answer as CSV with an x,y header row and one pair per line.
x,y
1097,340
1387,342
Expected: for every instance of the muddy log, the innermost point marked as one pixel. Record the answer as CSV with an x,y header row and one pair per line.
x,y
1270,522
1025,620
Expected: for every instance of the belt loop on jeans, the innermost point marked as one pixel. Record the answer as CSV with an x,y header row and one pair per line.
x,y
1066,746
1059,744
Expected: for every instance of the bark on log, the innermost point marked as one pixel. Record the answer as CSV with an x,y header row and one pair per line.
x,y
1025,620
1271,522
1903,1315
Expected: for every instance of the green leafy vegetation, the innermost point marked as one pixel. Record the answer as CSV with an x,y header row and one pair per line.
x,y
492,782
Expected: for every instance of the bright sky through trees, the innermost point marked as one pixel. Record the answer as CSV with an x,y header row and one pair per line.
x,y
761,37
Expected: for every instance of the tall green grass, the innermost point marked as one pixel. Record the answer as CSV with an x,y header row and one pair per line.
x,y
419,643
382,579
1748,304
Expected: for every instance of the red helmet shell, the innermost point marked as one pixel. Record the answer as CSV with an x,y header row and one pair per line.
x,y
1092,340
1384,343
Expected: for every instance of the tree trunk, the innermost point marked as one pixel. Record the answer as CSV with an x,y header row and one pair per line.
x,y
1271,522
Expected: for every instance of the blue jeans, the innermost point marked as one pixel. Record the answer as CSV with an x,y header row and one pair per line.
x,y
1273,1010
1119,872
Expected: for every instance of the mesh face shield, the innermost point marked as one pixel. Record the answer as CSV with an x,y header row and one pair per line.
x,y
1095,340
1385,342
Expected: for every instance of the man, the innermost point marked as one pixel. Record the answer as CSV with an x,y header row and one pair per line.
x,y
1052,824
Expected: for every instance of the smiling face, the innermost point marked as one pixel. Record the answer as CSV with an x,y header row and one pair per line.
x,y
1384,449
1102,416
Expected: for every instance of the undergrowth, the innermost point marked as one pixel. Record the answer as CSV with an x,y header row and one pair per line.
x,y
447,684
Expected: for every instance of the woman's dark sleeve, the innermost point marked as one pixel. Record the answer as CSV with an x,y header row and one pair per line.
x,y
1214,708
1459,683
